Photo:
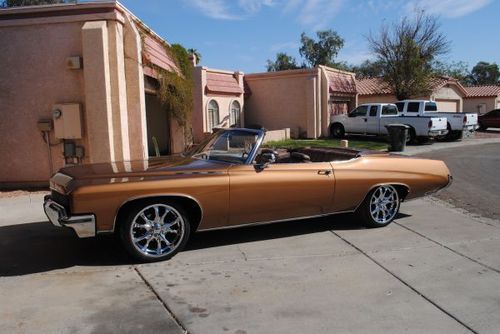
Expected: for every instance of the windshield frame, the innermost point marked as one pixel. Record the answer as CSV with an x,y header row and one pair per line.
x,y
251,156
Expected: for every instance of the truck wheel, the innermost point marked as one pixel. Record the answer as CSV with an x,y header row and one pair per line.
x,y
411,137
155,231
337,130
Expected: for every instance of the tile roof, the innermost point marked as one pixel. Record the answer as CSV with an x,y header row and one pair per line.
x,y
341,83
372,86
482,91
222,83
156,54
375,86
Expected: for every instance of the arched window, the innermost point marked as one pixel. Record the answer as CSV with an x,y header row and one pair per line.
x,y
213,114
234,114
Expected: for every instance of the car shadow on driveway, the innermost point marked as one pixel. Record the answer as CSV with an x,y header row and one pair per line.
x,y
40,247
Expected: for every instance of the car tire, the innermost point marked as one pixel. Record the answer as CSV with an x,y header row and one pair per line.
x,y
337,130
380,207
155,231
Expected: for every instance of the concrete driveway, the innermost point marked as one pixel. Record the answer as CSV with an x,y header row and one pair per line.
x,y
435,270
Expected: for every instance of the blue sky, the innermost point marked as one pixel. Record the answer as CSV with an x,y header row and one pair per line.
x,y
243,34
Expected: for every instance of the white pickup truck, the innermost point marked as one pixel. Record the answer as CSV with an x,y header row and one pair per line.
x,y
372,118
458,124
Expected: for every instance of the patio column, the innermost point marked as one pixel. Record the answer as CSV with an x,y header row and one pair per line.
x,y
98,110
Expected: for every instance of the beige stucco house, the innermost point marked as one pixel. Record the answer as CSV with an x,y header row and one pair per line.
x,y
482,99
302,100
218,100
74,89
447,92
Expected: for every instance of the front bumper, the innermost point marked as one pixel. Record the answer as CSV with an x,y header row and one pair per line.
x,y
83,225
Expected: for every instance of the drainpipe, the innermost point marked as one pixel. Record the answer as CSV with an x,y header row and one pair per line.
x,y
47,140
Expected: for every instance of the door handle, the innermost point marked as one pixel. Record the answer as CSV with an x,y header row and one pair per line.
x,y
324,172
366,119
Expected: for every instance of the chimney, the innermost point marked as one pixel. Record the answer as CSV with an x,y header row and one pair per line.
x,y
193,59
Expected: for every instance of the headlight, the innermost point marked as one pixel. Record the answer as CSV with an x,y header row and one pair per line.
x,y
59,182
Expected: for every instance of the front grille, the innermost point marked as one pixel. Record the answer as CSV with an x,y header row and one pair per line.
x,y
60,199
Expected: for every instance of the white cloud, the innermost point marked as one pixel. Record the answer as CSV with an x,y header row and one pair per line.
x,y
314,13
254,6
216,9
449,8
285,46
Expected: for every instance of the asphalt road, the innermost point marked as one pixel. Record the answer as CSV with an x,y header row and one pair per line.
x,y
476,178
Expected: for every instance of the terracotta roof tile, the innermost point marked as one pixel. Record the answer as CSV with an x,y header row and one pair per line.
x,y
222,83
156,54
341,83
482,91
375,86
372,86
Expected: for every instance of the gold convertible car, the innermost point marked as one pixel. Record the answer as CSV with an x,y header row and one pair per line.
x,y
228,181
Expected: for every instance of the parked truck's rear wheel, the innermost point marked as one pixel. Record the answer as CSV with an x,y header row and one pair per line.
x,y
411,137
337,130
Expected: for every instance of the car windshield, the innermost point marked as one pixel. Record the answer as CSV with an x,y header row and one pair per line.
x,y
233,146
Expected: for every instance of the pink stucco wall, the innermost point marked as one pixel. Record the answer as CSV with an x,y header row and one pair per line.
x,y
34,77
35,45
280,101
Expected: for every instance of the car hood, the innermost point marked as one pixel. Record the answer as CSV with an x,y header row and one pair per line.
x,y
152,167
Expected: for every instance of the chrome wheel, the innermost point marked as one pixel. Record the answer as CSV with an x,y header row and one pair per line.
x,y
384,204
157,230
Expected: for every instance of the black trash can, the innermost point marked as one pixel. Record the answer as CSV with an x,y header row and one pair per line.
x,y
398,133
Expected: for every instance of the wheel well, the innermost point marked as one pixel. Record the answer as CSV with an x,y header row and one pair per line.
x,y
402,190
334,124
192,208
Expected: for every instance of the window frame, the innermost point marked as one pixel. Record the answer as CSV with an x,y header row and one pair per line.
x,y
232,120
210,113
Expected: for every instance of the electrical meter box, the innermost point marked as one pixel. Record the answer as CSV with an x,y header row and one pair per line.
x,y
67,121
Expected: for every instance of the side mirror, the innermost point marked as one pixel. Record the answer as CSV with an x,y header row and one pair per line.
x,y
264,160
351,115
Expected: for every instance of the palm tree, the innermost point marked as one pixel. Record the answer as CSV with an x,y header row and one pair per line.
x,y
196,53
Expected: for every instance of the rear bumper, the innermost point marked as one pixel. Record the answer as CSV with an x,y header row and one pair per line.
x,y
83,225
437,133
470,128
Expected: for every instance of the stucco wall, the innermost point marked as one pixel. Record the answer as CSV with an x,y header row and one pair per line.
x,y
33,78
201,99
279,102
471,104
449,93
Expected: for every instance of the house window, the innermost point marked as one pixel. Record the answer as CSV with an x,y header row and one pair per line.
x,y
235,114
213,114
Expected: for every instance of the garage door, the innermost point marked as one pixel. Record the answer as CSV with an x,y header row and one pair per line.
x,y
448,105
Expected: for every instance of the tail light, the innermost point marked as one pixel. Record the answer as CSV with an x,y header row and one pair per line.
x,y
430,124
465,119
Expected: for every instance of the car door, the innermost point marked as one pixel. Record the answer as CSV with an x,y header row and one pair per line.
x,y
280,191
356,120
372,123
494,119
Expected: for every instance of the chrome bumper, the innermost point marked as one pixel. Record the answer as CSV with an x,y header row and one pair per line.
x,y
83,225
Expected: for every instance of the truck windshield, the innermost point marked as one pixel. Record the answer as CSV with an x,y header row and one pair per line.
x,y
430,106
